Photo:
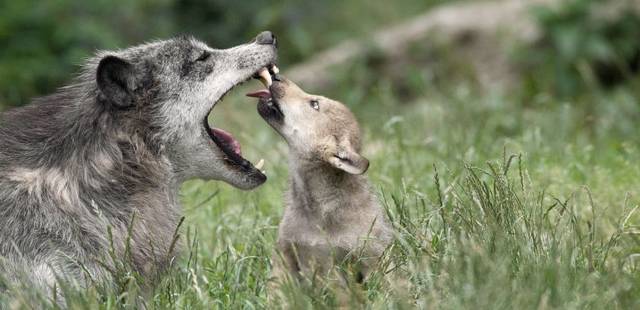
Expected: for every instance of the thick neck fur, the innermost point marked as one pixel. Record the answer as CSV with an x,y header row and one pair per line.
x,y
320,189
84,138
69,156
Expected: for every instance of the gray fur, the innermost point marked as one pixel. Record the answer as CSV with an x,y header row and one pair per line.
x,y
330,212
103,150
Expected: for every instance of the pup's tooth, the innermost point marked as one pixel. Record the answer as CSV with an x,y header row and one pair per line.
x,y
265,77
275,69
260,164
263,171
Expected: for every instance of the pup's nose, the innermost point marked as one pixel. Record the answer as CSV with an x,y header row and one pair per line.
x,y
266,38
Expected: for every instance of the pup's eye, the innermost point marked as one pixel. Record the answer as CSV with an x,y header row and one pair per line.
x,y
314,104
204,56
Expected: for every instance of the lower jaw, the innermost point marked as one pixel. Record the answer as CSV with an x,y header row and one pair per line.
x,y
270,113
230,156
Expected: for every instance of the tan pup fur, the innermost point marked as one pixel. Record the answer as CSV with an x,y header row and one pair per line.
x,y
331,215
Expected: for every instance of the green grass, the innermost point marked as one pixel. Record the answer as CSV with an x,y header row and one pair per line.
x,y
497,202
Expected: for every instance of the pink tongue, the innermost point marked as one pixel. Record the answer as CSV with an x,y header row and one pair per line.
x,y
263,93
228,138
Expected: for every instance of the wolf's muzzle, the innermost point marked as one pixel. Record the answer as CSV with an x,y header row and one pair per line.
x,y
266,38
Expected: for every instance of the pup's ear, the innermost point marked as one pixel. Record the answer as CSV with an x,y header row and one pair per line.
x,y
345,158
117,80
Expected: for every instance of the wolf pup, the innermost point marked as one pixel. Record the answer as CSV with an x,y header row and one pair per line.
x,y
330,216
108,154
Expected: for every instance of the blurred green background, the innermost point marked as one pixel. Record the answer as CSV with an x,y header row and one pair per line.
x,y
44,42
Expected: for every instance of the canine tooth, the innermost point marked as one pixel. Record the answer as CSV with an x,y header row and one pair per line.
x,y
260,164
265,77
275,69
263,171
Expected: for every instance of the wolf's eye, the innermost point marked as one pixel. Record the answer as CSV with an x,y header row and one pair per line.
x,y
204,56
314,104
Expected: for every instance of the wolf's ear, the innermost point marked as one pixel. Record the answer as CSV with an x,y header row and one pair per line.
x,y
116,80
344,157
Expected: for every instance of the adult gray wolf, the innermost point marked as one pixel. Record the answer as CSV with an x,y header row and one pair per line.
x,y
331,216
108,153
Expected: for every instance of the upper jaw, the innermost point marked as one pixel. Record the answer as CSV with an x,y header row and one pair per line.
x,y
242,63
267,66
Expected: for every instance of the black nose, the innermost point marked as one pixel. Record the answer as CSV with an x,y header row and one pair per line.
x,y
266,38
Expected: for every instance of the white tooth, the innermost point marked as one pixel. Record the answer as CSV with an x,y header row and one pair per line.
x,y
275,69
260,164
265,77
263,171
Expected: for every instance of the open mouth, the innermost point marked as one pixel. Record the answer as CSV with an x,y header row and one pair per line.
x,y
268,106
225,140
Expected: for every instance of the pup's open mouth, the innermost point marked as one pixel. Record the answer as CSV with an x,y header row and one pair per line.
x,y
225,140
268,105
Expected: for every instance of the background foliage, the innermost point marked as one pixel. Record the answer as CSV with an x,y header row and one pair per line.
x,y
584,43
44,42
